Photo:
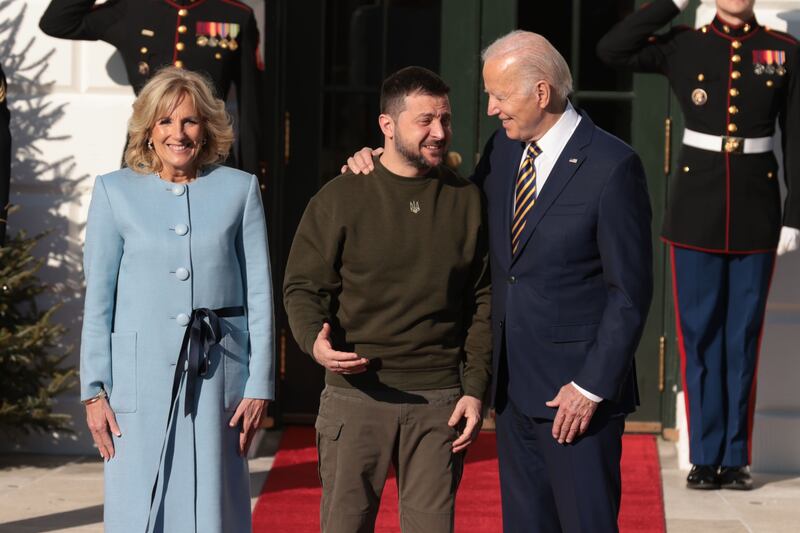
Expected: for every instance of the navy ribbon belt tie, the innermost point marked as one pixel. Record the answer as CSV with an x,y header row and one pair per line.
x,y
202,334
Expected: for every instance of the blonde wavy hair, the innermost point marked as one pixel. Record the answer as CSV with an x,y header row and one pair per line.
x,y
159,98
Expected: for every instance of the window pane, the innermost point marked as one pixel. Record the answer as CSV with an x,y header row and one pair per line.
x,y
366,40
614,117
349,122
554,21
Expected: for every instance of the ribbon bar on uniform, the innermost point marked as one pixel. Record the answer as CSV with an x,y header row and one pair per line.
x,y
722,143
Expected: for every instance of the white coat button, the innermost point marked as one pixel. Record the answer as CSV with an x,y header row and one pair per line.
x,y
182,274
182,319
181,229
178,190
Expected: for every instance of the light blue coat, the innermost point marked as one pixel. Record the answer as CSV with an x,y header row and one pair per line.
x,y
154,251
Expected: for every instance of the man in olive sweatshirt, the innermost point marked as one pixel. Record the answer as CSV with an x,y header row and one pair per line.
x,y
387,286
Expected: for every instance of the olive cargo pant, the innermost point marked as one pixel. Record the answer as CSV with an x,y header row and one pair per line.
x,y
360,433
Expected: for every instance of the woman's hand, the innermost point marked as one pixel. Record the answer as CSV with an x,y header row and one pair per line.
x,y
101,421
249,413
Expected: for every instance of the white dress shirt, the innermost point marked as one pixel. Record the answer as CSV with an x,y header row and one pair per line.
x,y
551,144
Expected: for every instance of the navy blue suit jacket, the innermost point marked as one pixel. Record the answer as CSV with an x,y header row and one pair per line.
x,y
571,305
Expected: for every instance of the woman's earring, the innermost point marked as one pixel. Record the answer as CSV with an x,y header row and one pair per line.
x,y
149,144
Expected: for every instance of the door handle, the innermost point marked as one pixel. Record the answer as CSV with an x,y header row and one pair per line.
x,y
453,160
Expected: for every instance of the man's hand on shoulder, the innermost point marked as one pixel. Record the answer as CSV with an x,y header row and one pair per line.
x,y
361,161
575,411
468,408
336,362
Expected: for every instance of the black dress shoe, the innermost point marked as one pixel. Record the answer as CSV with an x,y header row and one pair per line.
x,y
735,477
703,477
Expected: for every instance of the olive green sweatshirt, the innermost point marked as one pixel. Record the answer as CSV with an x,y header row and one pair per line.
x,y
400,269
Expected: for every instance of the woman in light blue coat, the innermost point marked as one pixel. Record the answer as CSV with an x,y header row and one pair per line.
x,y
177,343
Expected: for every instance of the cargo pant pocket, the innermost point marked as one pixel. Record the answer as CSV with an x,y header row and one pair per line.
x,y
328,433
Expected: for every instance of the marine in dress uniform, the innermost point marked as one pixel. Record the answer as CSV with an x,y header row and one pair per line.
x,y
5,156
216,37
723,219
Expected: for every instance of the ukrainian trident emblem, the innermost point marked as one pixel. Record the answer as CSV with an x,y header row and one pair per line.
x,y
413,205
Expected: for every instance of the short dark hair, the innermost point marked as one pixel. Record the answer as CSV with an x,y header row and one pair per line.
x,y
406,81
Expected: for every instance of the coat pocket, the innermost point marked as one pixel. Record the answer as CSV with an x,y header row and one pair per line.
x,y
122,396
236,359
567,209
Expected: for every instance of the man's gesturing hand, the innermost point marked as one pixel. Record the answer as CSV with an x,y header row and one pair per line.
x,y
336,362
575,411
361,161
468,408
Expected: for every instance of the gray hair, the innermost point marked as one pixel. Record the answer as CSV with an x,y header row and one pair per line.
x,y
536,58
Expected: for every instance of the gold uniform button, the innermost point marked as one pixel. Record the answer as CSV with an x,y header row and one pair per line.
x,y
770,175
182,29
736,58
183,12
726,29
704,29
179,63
700,77
733,110
732,127
180,46
736,74
734,91
686,169
143,49
746,28
736,44
218,56
770,83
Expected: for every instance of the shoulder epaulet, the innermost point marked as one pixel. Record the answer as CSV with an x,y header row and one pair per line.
x,y
240,5
781,35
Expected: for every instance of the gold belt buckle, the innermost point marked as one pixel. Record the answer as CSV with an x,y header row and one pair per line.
x,y
733,145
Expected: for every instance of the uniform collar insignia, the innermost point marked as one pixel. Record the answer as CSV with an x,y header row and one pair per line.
x,y
731,31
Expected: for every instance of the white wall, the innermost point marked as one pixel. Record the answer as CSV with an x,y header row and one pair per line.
x,y
776,433
70,101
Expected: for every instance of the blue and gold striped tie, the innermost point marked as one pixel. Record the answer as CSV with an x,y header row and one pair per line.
x,y
524,195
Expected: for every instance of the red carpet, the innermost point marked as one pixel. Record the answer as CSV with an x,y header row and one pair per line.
x,y
289,501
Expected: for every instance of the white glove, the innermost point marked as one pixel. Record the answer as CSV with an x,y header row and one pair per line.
x,y
789,241
681,4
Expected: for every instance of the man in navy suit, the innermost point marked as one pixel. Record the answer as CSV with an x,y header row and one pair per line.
x,y
571,258
572,283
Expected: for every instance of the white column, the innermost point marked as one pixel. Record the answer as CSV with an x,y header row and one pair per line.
x,y
776,434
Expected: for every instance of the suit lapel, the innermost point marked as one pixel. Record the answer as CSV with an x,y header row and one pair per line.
x,y
566,166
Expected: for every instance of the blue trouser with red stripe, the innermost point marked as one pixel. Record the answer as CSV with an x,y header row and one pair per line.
x,y
720,301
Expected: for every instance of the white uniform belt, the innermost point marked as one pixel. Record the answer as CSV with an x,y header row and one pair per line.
x,y
722,143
